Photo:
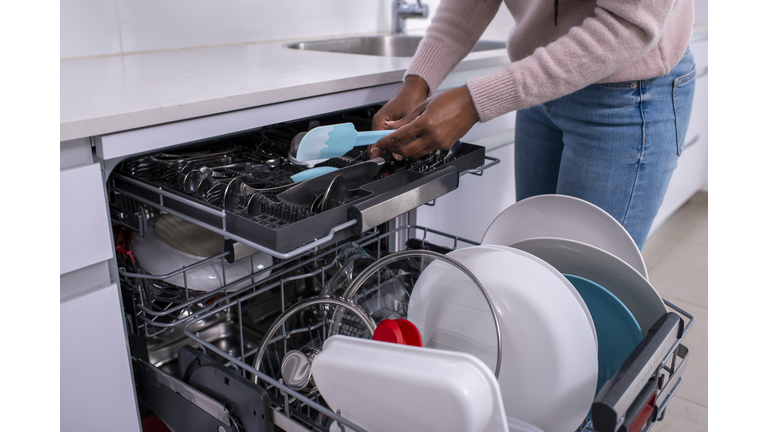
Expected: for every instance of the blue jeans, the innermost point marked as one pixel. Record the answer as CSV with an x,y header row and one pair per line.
x,y
614,145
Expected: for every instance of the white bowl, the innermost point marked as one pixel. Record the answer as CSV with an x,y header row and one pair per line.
x,y
563,216
549,360
171,243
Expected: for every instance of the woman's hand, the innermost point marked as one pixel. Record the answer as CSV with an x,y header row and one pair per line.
x,y
413,92
435,124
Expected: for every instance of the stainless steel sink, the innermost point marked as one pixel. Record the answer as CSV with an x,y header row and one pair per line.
x,y
382,46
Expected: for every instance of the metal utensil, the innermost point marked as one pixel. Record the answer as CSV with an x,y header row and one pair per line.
x,y
238,193
335,195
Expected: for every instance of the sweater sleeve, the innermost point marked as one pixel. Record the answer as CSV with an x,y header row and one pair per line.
x,y
620,33
454,31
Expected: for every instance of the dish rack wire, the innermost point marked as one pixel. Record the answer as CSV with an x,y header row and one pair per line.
x,y
162,306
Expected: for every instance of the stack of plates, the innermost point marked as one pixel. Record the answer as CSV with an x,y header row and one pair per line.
x,y
569,288
567,217
598,266
549,358
600,260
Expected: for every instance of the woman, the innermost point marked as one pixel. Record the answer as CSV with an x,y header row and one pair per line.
x,y
603,91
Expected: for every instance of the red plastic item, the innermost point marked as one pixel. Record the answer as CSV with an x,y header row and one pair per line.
x,y
410,332
389,331
644,414
125,251
399,331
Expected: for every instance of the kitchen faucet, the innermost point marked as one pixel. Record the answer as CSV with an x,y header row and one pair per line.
x,y
402,10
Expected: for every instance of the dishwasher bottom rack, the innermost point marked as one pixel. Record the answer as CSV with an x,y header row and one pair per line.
x,y
199,372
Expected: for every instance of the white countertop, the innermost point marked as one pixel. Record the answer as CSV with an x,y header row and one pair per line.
x,y
102,95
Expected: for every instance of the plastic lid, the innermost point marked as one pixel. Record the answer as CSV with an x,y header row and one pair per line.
x,y
389,331
411,333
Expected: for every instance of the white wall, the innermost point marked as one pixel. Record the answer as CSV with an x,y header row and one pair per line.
x,y
104,27
701,8
109,27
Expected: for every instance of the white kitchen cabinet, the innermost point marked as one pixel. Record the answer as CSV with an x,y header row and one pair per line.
x,y
84,224
96,384
468,211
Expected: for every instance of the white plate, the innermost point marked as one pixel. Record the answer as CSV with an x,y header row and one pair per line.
x,y
384,387
549,361
604,269
563,216
567,283
158,257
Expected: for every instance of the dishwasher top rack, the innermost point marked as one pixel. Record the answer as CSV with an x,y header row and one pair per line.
x,y
232,186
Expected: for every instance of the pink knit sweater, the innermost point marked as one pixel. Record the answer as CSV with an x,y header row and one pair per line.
x,y
594,41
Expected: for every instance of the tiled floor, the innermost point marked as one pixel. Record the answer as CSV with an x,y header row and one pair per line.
x,y
676,258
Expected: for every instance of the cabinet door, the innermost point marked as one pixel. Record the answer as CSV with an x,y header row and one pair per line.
x,y
84,223
96,387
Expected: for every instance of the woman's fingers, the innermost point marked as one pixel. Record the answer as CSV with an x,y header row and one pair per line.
x,y
416,147
435,124
398,142
413,92
406,129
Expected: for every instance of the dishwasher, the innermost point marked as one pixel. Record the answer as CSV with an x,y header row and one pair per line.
x,y
210,338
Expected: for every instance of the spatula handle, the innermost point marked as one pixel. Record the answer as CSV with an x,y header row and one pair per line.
x,y
370,137
311,173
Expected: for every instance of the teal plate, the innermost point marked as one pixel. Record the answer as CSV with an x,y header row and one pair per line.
x,y
618,333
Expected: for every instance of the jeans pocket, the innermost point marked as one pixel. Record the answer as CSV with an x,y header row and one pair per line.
x,y
620,85
683,89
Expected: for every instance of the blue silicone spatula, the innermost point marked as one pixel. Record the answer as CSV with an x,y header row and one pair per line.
x,y
325,142
311,173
